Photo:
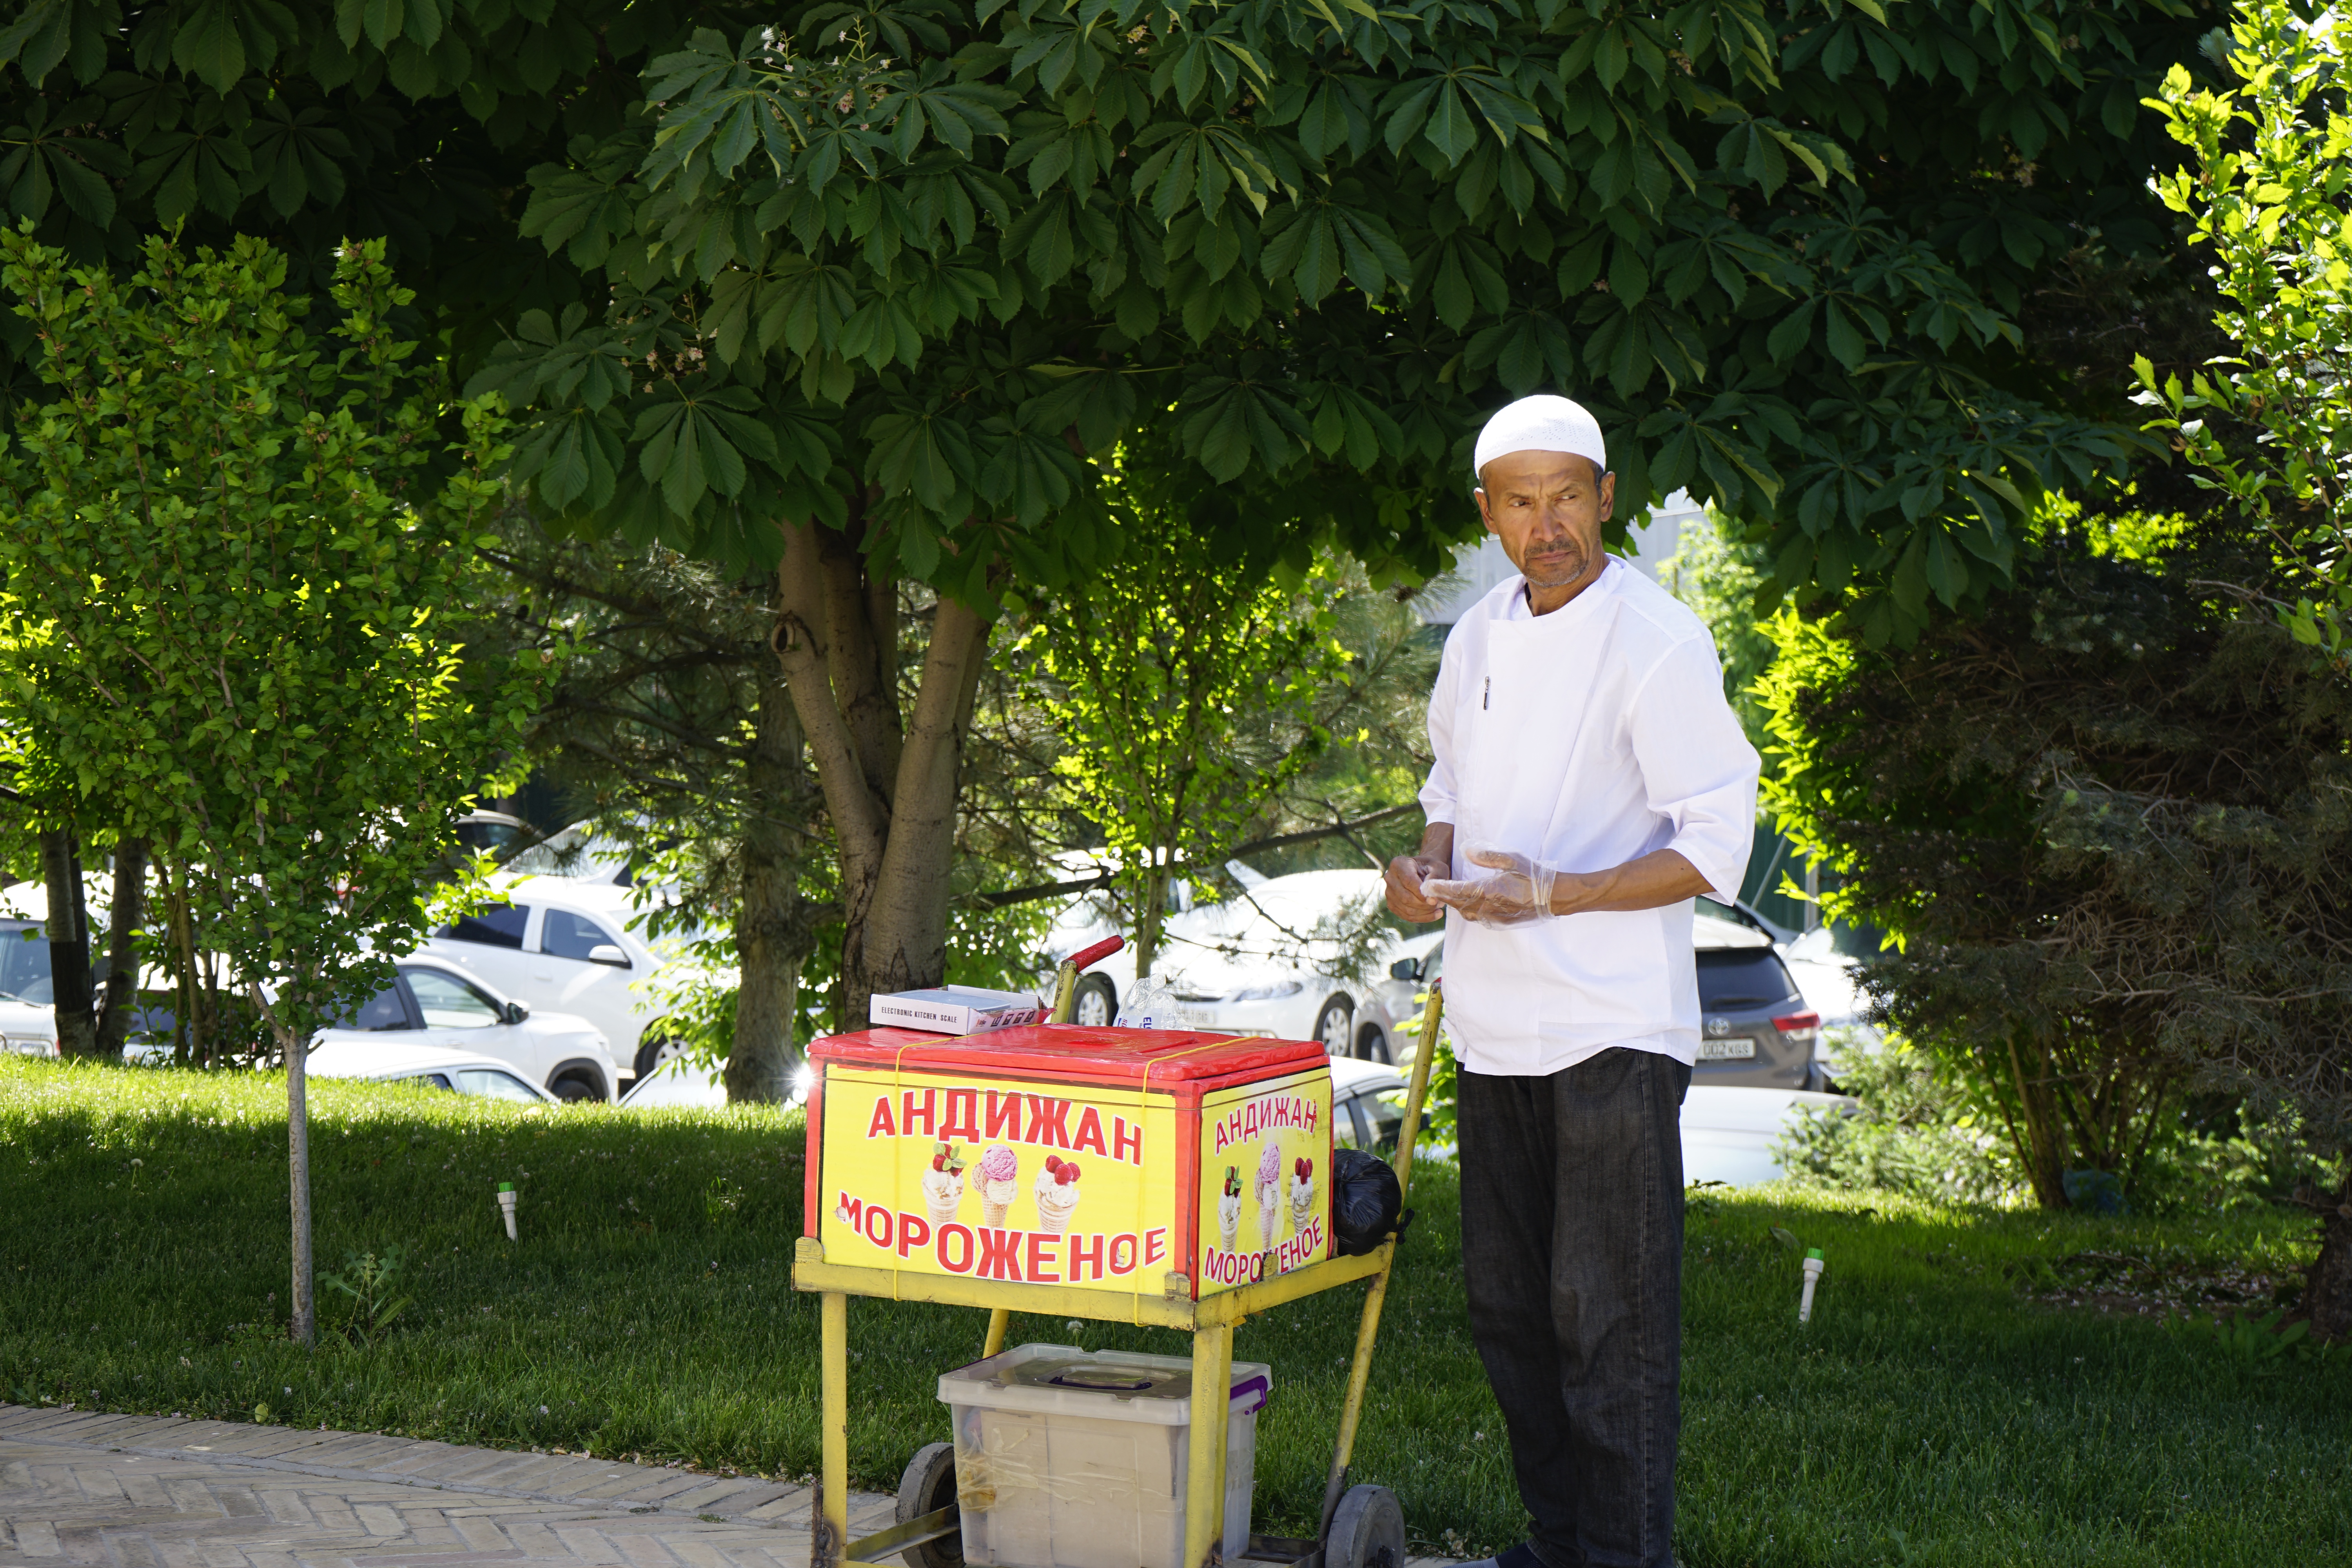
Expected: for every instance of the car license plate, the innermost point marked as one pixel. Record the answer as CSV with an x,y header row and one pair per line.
x,y
1193,1018
1738,1050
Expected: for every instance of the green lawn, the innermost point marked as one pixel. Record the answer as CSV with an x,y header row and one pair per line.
x,y
1936,1412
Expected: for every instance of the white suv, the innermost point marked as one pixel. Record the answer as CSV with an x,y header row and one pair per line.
x,y
574,946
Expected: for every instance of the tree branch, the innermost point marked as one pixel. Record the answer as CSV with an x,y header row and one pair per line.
x,y
1011,896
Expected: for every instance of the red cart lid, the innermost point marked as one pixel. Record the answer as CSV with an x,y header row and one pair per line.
x,y
1159,1055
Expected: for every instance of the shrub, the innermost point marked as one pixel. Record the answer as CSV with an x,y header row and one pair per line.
x,y
1925,1131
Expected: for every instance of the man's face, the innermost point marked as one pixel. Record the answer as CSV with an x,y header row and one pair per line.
x,y
1548,507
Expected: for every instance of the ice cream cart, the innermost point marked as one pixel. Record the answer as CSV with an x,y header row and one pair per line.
x,y
1174,1179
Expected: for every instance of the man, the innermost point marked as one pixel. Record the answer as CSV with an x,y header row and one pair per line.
x,y
1590,780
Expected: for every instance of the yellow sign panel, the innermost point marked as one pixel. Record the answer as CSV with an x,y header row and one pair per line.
x,y
941,1172
1264,1180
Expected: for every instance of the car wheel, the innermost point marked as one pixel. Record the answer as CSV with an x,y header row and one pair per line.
x,y
1372,1046
1097,1002
652,1052
574,1087
1336,1024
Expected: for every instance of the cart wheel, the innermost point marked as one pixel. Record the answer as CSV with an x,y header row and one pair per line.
x,y
1367,1530
930,1484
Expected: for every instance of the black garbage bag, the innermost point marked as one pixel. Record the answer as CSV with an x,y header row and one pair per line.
x,y
1365,1199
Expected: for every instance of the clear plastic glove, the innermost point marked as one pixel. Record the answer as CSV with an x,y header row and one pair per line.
x,y
1519,890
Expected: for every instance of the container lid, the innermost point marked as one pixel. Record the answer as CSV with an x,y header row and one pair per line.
x,y
1158,1056
1103,1385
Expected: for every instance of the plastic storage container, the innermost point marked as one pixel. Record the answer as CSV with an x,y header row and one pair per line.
x,y
1067,1459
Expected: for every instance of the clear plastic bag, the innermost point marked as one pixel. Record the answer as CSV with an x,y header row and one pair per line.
x,y
1149,1005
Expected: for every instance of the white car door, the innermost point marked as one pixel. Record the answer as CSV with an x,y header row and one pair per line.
x,y
488,942
582,967
464,1018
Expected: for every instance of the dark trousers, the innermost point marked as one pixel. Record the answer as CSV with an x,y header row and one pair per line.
x,y
1572,1249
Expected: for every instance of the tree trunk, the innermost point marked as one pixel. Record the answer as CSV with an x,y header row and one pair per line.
x,y
2327,1285
123,922
304,1326
768,941
891,795
68,933
2044,1166
1150,915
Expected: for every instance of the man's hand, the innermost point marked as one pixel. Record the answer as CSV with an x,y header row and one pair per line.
x,y
1407,872
1518,891
1406,899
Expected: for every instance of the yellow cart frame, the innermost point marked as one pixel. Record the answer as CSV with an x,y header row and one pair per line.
x,y
1211,1322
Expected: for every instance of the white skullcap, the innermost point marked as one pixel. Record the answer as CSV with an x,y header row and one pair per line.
x,y
1542,424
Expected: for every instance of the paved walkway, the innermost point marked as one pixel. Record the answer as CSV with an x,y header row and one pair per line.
x,y
148,1491
143,1491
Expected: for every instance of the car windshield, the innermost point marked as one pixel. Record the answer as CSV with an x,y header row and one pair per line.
x,y
24,963
448,1003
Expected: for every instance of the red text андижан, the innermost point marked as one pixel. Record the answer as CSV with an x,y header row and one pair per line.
x,y
991,1116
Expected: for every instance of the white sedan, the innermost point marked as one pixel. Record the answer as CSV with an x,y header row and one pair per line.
x,y
1728,1130
435,1004
678,1084
387,1061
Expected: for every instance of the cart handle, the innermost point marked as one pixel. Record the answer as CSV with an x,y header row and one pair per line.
x,y
1419,1087
1066,983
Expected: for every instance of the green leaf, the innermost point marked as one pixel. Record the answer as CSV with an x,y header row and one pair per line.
x,y
926,454
1450,128
1948,573
209,45
384,20
1910,582
1788,339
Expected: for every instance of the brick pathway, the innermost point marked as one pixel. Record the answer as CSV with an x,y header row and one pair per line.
x,y
148,1491
143,1491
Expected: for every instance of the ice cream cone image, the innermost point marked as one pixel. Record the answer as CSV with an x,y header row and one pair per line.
x,y
1302,1194
943,1182
997,1180
1267,1190
1057,1193
1229,1211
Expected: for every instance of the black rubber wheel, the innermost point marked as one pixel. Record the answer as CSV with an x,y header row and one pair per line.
x,y
570,1090
653,1051
1372,1046
930,1484
1367,1532
1096,1002
1335,1023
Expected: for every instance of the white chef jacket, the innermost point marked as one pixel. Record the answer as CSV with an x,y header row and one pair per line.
x,y
1584,739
